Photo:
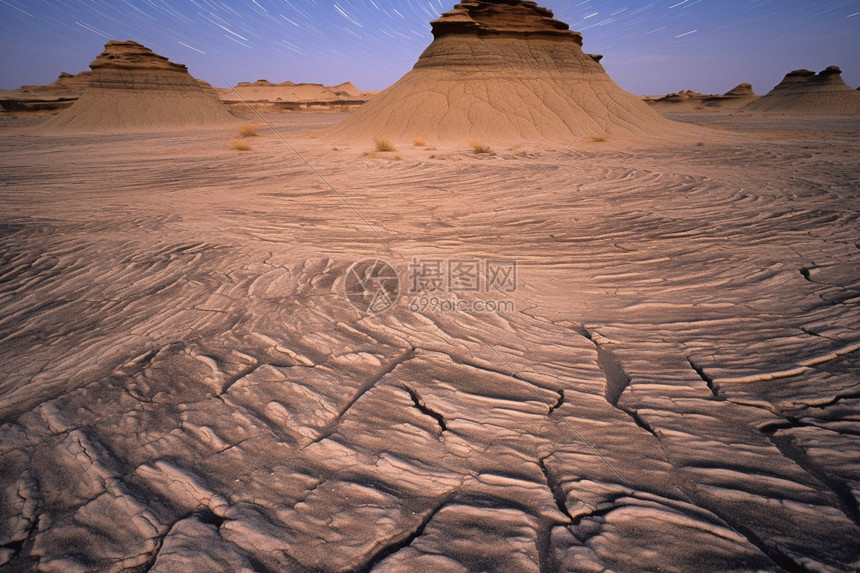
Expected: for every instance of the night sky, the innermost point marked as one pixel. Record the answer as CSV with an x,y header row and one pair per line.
x,y
649,47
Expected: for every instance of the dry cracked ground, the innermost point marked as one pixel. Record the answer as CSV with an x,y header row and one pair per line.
x,y
184,385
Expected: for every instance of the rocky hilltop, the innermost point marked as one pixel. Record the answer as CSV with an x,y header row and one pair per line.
x,y
501,17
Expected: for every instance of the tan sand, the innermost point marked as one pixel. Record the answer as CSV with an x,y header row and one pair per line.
x,y
133,89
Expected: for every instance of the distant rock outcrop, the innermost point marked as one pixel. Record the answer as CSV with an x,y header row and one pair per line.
x,y
502,70
265,96
805,92
689,100
45,99
72,85
133,88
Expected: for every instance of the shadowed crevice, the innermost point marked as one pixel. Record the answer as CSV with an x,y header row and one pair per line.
x,y
712,385
555,488
424,408
403,543
366,387
329,428
785,444
558,403
616,378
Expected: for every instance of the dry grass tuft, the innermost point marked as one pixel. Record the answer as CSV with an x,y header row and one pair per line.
x,y
383,145
240,145
480,148
419,142
383,155
248,130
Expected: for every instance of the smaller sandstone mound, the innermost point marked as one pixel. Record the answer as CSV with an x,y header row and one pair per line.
x,y
69,85
741,90
735,98
131,88
805,92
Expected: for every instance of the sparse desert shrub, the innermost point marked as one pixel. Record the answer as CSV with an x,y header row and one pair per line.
x,y
248,130
383,145
419,142
240,145
480,148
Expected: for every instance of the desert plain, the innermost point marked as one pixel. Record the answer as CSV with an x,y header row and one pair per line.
x,y
669,379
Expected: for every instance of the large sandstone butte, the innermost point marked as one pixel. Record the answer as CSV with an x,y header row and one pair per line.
x,y
132,88
805,92
502,70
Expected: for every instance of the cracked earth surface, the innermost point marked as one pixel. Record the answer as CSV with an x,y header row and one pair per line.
x,y
184,385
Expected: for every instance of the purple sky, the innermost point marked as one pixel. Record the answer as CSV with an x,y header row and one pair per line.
x,y
650,47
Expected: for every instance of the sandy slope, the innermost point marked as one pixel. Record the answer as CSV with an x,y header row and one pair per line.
x,y
184,386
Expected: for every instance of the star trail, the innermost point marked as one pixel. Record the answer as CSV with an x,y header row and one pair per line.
x,y
653,47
